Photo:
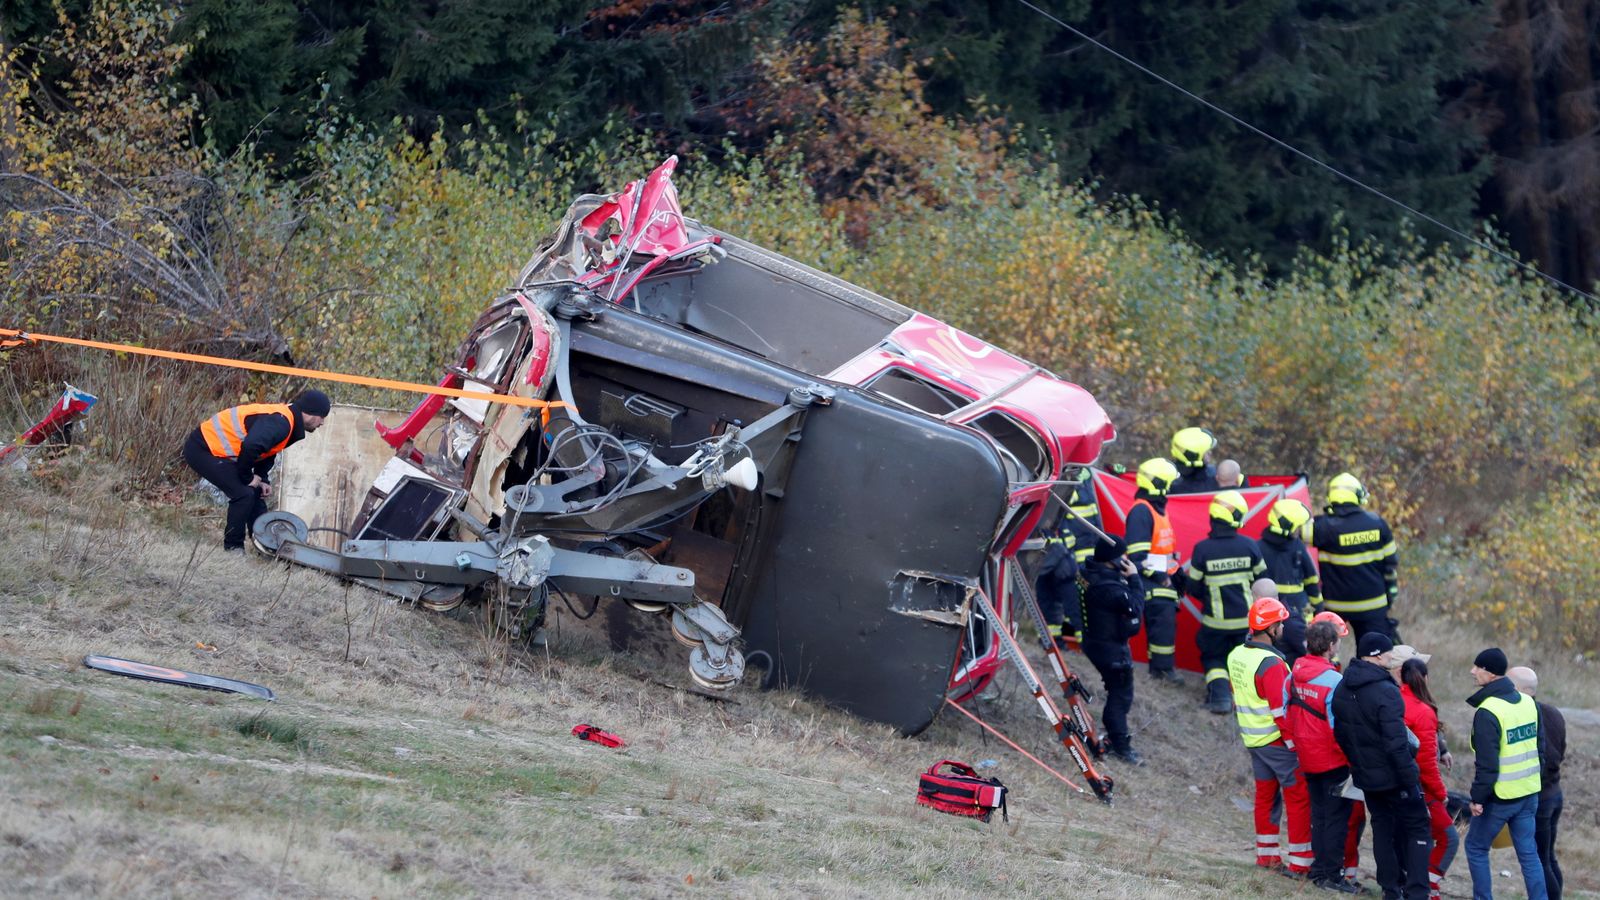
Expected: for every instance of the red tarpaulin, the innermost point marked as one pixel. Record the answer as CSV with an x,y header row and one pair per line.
x,y
1191,523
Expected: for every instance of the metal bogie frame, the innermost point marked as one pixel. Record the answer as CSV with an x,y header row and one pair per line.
x,y
520,562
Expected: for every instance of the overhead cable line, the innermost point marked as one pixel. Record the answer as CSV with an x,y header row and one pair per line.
x,y
1315,161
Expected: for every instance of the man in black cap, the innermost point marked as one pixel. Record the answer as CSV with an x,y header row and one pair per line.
x,y
1505,787
1369,724
235,450
1113,612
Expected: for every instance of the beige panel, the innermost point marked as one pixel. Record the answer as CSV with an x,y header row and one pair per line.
x,y
324,478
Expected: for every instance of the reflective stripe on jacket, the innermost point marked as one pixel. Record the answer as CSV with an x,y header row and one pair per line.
x,y
1163,541
1519,746
224,432
1257,715
1224,565
1356,553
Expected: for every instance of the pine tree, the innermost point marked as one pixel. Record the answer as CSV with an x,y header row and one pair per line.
x,y
1356,83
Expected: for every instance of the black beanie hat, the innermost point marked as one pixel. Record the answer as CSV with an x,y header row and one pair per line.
x,y
1492,660
1373,643
1107,551
313,403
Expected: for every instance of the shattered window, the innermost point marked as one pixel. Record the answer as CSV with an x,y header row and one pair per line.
x,y
919,393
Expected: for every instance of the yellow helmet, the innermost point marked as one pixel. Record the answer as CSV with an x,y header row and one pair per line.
x,y
1229,506
1289,517
1346,488
1190,446
1156,476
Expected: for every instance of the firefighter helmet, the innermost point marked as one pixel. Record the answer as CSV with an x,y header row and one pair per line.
x,y
1156,476
1266,612
1289,517
1346,488
1229,507
1329,615
1190,446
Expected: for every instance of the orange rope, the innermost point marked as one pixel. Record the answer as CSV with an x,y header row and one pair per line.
x,y
20,338
1064,779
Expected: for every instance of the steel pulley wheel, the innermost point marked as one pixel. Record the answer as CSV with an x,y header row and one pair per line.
x,y
443,598
684,631
711,677
645,606
271,530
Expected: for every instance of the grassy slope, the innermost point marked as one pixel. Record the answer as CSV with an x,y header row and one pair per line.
x,y
408,754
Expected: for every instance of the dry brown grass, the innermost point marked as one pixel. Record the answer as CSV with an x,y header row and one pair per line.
x,y
409,755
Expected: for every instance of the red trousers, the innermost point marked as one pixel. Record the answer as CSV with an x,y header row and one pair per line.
x,y
1277,772
1438,822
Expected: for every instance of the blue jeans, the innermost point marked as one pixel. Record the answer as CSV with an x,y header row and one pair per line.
x,y
1519,816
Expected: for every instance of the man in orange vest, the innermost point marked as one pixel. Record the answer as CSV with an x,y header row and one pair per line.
x,y
1153,549
235,450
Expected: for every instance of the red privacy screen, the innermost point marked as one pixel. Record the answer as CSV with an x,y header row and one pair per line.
x,y
1190,522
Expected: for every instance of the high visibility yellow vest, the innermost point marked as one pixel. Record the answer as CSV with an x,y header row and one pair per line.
x,y
224,432
1257,724
1519,747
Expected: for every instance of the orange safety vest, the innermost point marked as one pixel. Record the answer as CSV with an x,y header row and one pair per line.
x,y
1163,540
224,432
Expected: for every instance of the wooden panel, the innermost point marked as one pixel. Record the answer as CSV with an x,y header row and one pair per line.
x,y
324,478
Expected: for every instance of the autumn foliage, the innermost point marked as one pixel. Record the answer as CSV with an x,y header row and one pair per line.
x,y
851,107
1457,387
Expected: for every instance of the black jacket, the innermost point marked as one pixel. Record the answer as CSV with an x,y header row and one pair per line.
x,y
1107,597
1289,565
1140,527
1081,498
1195,480
1369,723
262,432
1486,737
1219,575
1358,555
1552,751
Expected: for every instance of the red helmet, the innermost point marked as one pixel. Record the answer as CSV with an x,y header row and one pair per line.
x,y
1331,616
1266,612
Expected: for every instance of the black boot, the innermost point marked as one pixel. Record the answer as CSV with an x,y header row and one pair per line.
x,y
1125,752
1219,697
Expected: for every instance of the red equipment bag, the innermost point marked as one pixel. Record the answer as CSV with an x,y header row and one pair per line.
x,y
962,792
591,733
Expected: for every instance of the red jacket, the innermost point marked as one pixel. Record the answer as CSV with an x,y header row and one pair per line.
x,y
1310,689
1424,723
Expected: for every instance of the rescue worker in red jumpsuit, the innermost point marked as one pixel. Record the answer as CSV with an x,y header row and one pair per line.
x,y
1260,681
1324,765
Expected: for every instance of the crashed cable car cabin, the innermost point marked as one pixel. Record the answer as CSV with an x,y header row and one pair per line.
x,y
804,476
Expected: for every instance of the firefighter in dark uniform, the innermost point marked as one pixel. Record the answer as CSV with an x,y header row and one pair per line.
x,y
1153,548
1356,551
1191,448
1056,585
1077,532
235,450
1290,567
1219,576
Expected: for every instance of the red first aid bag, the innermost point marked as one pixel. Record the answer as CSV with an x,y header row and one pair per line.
x,y
961,792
